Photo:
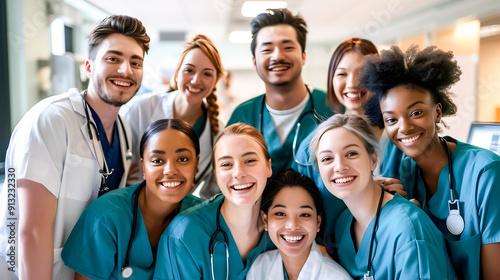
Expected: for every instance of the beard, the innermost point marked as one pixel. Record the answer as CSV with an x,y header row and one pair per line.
x,y
116,101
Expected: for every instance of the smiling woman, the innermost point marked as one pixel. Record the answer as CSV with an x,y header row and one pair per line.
x,y
221,239
379,235
120,231
456,183
291,210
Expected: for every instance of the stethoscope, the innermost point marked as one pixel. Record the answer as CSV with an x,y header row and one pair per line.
x,y
213,243
367,275
297,129
127,270
104,166
454,222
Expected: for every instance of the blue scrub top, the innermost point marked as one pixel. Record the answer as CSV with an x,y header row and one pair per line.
x,y
332,205
407,245
97,246
477,185
183,251
249,112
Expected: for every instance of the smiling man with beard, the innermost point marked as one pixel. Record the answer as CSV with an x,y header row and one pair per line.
x,y
67,150
278,48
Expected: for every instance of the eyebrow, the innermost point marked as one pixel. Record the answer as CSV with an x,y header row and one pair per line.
x,y
408,107
347,146
283,206
286,41
230,157
163,152
121,54
192,65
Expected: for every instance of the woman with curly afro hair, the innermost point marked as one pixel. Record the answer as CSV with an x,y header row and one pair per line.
x,y
457,185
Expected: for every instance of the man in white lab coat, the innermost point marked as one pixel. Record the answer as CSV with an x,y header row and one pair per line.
x,y
67,150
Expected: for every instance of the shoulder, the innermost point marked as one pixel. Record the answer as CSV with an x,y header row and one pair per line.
x,y
116,201
194,222
252,102
320,103
266,258
145,102
328,266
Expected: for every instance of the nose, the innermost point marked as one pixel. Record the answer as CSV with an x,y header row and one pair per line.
x,y
352,81
125,68
291,223
195,79
277,54
405,125
340,165
170,168
238,171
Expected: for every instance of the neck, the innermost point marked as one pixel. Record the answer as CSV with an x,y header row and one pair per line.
x,y
107,113
287,96
187,111
369,198
293,265
431,163
242,218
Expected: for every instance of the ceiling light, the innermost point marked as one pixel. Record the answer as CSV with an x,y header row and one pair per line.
x,y
489,30
240,37
253,8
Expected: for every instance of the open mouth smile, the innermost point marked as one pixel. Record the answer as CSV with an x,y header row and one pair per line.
x,y
410,140
292,239
170,185
242,186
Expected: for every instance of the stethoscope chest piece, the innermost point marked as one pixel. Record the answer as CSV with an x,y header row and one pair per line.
x,y
455,223
367,277
127,272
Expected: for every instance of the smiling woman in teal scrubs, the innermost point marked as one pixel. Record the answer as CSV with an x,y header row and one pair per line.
x,y
458,185
117,235
380,235
221,239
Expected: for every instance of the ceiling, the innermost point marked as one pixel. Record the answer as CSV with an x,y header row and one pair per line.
x,y
328,20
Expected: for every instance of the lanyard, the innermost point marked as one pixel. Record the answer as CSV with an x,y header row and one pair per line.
x,y
367,275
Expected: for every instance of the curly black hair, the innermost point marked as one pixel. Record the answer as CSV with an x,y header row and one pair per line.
x,y
431,68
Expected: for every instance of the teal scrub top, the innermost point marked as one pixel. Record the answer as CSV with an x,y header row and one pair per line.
x,y
407,245
249,112
477,185
332,205
97,246
183,251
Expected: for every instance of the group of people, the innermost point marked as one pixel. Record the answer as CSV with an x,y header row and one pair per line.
x,y
354,182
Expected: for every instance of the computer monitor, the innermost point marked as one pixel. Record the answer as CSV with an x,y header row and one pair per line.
x,y
485,135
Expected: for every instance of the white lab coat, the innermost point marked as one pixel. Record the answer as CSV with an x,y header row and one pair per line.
x,y
51,146
143,110
269,265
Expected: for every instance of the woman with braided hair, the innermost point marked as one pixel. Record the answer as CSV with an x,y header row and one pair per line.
x,y
457,184
192,99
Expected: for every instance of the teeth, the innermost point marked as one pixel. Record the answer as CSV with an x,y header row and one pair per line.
x,y
241,187
343,180
278,68
293,239
123,84
410,140
170,184
352,95
194,90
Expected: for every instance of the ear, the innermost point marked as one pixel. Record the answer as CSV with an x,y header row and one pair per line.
x,y
319,223
143,174
303,58
374,161
88,67
269,169
264,219
439,112
253,61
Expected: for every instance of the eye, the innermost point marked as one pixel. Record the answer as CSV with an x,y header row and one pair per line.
x,y
305,215
112,59
279,214
137,64
188,70
341,74
352,154
156,161
225,165
390,121
251,160
209,74
416,113
326,159
183,159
